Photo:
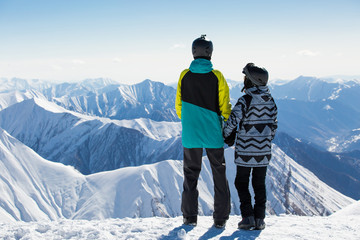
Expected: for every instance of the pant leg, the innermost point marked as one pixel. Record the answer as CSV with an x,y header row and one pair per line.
x,y
242,186
192,167
258,183
222,205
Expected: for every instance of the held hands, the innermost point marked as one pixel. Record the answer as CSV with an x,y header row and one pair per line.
x,y
230,140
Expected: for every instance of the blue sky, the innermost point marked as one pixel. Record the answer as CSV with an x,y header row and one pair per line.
x,y
129,41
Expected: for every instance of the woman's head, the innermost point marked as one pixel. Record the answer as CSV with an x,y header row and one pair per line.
x,y
254,76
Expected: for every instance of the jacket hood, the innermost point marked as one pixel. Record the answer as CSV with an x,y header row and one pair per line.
x,y
262,93
201,65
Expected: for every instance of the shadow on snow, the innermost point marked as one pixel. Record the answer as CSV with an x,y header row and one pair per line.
x,y
178,232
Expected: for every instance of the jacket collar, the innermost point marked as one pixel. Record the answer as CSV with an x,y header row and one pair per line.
x,y
201,65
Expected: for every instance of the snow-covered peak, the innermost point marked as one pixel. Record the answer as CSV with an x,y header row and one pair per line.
x,y
233,83
16,153
148,82
315,89
156,130
147,99
96,83
343,78
100,97
278,81
18,84
34,188
350,210
40,105
10,98
45,104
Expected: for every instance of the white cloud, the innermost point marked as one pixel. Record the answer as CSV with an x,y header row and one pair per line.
x,y
178,45
339,54
117,60
56,67
308,53
78,61
328,107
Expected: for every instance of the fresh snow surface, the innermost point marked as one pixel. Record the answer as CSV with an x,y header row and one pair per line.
x,y
350,210
282,227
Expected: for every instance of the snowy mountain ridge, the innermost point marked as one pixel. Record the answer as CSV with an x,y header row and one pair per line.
x,y
10,98
312,89
35,189
57,89
341,171
90,144
23,85
105,98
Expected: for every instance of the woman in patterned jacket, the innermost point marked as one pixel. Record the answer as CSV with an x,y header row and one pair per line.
x,y
254,121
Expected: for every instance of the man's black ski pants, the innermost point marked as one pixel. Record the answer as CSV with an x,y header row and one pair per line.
x,y
192,168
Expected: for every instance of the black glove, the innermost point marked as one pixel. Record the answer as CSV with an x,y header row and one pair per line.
x,y
230,140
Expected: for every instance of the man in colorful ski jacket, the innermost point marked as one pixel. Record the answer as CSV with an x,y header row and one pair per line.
x,y
203,103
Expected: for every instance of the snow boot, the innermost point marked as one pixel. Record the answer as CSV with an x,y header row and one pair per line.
x,y
191,221
247,223
259,224
219,223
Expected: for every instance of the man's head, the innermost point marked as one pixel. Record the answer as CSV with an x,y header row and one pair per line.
x,y
202,48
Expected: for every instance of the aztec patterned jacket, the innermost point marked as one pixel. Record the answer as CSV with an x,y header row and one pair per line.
x,y
202,102
254,117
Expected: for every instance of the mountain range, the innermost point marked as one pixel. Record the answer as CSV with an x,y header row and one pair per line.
x,y
341,171
104,97
318,130
34,189
89,143
324,112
